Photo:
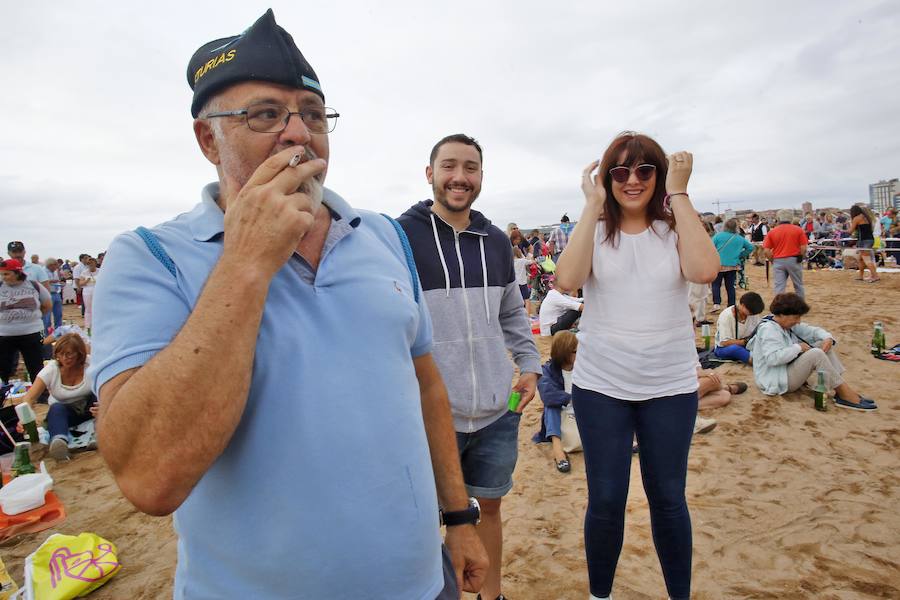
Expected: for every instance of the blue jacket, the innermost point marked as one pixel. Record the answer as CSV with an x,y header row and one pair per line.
x,y
476,307
731,250
773,348
552,387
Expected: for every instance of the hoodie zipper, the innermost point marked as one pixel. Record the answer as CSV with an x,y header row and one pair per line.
x,y
462,277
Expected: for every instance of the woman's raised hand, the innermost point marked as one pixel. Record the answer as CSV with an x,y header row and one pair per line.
x,y
679,171
592,186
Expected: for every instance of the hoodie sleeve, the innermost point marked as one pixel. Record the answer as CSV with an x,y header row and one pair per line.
x,y
812,334
517,330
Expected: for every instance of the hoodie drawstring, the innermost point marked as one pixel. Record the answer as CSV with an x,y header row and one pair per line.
x,y
437,243
487,306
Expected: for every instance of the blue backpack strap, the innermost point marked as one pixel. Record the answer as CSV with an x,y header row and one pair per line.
x,y
410,261
156,249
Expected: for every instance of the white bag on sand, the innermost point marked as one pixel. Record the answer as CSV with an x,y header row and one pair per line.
x,y
26,492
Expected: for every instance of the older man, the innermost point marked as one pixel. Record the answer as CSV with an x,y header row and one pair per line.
x,y
288,425
34,271
785,245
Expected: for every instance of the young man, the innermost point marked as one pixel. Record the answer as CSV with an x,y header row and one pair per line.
x,y
735,326
559,237
298,428
758,231
785,245
466,268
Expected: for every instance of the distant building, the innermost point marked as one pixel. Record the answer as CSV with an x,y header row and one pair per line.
x,y
806,207
883,195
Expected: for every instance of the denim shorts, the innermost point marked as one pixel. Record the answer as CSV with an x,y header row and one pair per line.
x,y
488,456
866,245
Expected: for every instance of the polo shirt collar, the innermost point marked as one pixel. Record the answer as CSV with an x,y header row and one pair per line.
x,y
207,220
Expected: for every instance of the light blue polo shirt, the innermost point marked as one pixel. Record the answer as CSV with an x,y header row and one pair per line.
x,y
326,488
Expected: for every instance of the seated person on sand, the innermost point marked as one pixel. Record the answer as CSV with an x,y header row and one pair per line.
x,y
62,330
64,378
786,353
559,312
713,393
554,396
732,333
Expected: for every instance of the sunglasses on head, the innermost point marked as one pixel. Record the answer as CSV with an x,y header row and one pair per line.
x,y
621,174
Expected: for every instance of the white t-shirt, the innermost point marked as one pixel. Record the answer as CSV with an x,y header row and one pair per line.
x,y
725,325
552,308
65,394
636,338
520,266
77,272
91,277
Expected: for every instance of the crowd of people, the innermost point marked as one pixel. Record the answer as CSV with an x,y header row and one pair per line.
x,y
375,359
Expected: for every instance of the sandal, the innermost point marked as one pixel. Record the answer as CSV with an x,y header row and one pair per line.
x,y
740,386
563,466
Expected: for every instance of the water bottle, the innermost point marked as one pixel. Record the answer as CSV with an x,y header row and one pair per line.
x,y
704,331
878,344
28,421
820,391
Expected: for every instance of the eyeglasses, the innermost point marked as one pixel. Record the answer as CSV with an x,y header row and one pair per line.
x,y
621,174
273,118
68,354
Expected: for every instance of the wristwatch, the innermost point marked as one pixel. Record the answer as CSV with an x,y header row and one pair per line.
x,y
471,515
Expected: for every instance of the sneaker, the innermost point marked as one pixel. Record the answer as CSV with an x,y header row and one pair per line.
x,y
59,448
716,308
704,425
865,404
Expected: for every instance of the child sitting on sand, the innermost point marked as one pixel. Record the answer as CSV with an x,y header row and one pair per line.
x,y
735,326
554,396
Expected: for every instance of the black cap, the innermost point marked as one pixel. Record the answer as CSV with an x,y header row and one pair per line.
x,y
264,52
564,218
15,247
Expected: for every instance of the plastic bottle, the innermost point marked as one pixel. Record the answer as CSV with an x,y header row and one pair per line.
x,y
820,391
28,421
878,339
704,331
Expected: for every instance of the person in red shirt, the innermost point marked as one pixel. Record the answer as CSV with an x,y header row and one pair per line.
x,y
785,245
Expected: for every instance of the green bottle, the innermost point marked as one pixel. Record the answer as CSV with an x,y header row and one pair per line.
x,y
820,391
878,339
704,331
22,460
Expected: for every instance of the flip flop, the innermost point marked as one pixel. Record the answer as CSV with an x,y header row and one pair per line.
x,y
563,466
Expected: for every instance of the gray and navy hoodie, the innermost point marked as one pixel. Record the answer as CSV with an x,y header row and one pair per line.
x,y
477,311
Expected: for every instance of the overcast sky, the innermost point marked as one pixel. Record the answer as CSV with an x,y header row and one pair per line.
x,y
780,102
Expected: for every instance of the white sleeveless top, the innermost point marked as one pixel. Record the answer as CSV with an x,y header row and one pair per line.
x,y
636,337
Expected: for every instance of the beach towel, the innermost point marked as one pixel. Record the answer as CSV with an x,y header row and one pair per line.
x,y
66,567
892,355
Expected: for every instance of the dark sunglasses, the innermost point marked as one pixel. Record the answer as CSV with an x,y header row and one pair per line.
x,y
644,172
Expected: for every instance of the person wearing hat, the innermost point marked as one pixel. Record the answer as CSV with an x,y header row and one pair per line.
x,y
23,303
33,271
785,246
299,430
559,237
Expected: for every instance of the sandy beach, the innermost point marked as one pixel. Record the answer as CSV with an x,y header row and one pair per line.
x,y
786,502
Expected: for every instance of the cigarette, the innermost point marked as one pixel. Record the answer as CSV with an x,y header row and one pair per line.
x,y
295,160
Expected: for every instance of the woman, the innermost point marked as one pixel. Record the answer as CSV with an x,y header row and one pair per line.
x,y
637,244
732,249
22,305
735,326
87,281
64,378
787,352
861,224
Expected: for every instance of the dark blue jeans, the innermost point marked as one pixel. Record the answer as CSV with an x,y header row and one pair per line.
x,y
62,416
664,427
728,277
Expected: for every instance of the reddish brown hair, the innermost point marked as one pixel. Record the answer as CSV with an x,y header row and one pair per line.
x,y
71,342
639,149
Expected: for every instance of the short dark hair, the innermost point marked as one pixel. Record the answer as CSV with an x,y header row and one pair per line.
x,y
564,218
788,304
753,302
458,138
